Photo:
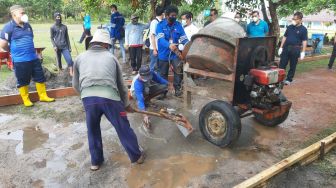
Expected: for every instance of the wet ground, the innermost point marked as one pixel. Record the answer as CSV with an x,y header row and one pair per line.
x,y
46,145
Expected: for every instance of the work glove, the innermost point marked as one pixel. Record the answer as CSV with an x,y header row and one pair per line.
x,y
302,55
280,51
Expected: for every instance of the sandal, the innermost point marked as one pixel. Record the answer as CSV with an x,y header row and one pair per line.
x,y
94,167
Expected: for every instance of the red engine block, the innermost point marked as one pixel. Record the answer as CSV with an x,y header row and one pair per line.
x,y
269,76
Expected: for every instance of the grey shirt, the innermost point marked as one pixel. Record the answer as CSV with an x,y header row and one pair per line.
x,y
60,37
98,67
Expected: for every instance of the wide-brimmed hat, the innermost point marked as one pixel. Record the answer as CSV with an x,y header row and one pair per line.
x,y
134,16
145,72
103,36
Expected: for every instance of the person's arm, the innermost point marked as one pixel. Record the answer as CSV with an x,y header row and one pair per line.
x,y
158,79
5,36
127,31
138,90
152,36
75,77
67,38
113,26
4,45
183,37
161,37
123,91
52,35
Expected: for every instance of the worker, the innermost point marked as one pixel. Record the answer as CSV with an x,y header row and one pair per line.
x,y
189,27
18,38
103,92
238,19
333,55
86,27
153,48
170,34
61,43
117,31
293,46
134,41
145,86
257,27
213,16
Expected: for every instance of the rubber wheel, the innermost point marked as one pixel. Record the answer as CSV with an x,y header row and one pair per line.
x,y
271,123
220,123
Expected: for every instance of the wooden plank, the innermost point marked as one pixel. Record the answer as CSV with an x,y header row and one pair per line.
x,y
282,165
54,93
215,75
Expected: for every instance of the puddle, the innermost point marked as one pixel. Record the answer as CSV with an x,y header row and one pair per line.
x,y
29,138
5,118
175,171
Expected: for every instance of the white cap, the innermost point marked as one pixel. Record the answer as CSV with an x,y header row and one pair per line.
x,y
101,35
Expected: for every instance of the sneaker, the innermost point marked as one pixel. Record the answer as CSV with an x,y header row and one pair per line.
x,y
142,158
94,167
330,69
287,82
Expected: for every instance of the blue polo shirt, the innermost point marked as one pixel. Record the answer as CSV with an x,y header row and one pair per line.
x,y
87,22
295,35
169,34
257,30
20,41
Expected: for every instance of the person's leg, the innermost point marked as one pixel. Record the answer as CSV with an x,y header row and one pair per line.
x,y
116,114
82,37
39,79
59,59
113,46
23,72
138,57
88,32
156,90
132,52
163,67
122,49
178,74
153,60
93,115
294,55
284,59
68,59
332,58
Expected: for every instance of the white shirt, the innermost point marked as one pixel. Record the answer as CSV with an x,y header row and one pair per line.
x,y
152,31
190,30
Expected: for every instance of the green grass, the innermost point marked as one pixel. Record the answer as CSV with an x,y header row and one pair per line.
x,y
309,66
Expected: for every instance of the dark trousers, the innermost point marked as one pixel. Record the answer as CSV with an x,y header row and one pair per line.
x,y
332,58
87,32
163,67
154,91
114,111
136,57
24,71
66,55
291,55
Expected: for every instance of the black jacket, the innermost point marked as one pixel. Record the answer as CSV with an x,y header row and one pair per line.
x,y
60,37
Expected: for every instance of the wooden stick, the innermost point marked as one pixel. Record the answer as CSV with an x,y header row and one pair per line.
x,y
293,159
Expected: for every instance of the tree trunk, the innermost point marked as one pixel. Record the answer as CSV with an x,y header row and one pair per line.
x,y
264,12
275,22
153,4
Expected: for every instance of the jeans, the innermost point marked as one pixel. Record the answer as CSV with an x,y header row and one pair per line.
x,y
95,108
87,32
66,55
153,60
332,57
24,71
163,67
136,57
122,48
292,55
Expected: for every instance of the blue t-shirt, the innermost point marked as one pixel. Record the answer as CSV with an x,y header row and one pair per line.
x,y
169,33
117,24
87,22
260,30
295,35
20,41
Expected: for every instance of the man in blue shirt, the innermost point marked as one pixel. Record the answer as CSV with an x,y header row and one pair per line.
x,y
117,30
293,46
145,86
86,27
17,37
258,27
170,33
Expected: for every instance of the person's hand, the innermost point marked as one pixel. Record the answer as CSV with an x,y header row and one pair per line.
x,y
181,47
129,109
71,71
172,47
155,52
302,55
280,51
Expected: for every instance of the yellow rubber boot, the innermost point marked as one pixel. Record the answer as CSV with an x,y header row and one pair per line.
x,y
25,96
41,90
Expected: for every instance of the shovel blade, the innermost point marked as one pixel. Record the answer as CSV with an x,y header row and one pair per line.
x,y
186,132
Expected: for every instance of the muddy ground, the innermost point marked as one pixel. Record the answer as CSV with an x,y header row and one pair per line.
x,y
46,145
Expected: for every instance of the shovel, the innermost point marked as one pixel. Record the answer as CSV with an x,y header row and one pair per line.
x,y
182,122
